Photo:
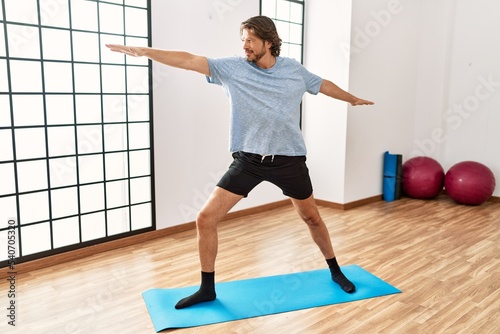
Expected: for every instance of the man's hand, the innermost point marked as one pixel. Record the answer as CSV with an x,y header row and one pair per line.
x,y
128,50
361,102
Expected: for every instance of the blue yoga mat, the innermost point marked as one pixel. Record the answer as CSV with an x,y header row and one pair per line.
x,y
261,296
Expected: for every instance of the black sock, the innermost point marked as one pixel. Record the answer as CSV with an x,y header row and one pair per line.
x,y
338,277
206,292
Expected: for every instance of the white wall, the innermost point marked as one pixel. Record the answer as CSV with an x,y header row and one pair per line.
x,y
191,117
436,27
370,48
383,68
474,82
459,84
325,119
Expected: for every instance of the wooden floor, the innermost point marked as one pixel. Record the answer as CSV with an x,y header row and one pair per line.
x,y
445,258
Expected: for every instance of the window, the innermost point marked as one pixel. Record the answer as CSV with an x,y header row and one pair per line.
x,y
75,125
288,15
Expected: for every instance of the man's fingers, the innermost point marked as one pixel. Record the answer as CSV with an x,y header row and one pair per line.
x,y
122,48
113,47
362,102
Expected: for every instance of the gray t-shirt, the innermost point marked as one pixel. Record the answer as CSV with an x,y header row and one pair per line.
x,y
265,103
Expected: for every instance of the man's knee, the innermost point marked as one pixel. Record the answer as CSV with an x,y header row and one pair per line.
x,y
312,219
205,221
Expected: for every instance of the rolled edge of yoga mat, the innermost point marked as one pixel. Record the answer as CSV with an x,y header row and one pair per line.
x,y
391,188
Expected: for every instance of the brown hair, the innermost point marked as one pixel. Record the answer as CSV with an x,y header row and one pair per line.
x,y
263,27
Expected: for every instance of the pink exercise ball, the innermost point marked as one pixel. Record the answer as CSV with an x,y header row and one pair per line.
x,y
469,182
422,177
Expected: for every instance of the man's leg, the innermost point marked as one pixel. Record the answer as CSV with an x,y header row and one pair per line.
x,y
214,210
308,211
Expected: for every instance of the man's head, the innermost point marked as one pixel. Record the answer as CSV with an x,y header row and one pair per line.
x,y
259,34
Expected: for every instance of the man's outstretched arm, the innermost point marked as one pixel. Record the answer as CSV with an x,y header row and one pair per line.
x,y
179,59
330,89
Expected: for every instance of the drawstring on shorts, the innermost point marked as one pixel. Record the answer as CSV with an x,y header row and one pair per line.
x,y
267,155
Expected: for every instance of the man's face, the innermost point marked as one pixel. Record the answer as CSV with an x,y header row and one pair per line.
x,y
254,47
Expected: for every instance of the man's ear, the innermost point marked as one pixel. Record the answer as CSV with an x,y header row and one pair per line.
x,y
269,45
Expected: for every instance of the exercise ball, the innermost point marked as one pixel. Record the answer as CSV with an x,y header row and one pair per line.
x,y
422,177
469,182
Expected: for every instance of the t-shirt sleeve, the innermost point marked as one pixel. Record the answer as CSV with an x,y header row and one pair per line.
x,y
220,69
312,81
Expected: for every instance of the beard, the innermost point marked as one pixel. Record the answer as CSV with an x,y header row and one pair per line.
x,y
256,56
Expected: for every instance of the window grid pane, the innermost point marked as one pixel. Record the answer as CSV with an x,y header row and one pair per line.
x,y
288,15
73,151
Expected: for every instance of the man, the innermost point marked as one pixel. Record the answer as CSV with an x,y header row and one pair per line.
x,y
265,91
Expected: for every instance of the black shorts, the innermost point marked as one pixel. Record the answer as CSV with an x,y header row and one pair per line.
x,y
289,173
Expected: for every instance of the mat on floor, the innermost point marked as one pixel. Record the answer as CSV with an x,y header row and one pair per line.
x,y
261,296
